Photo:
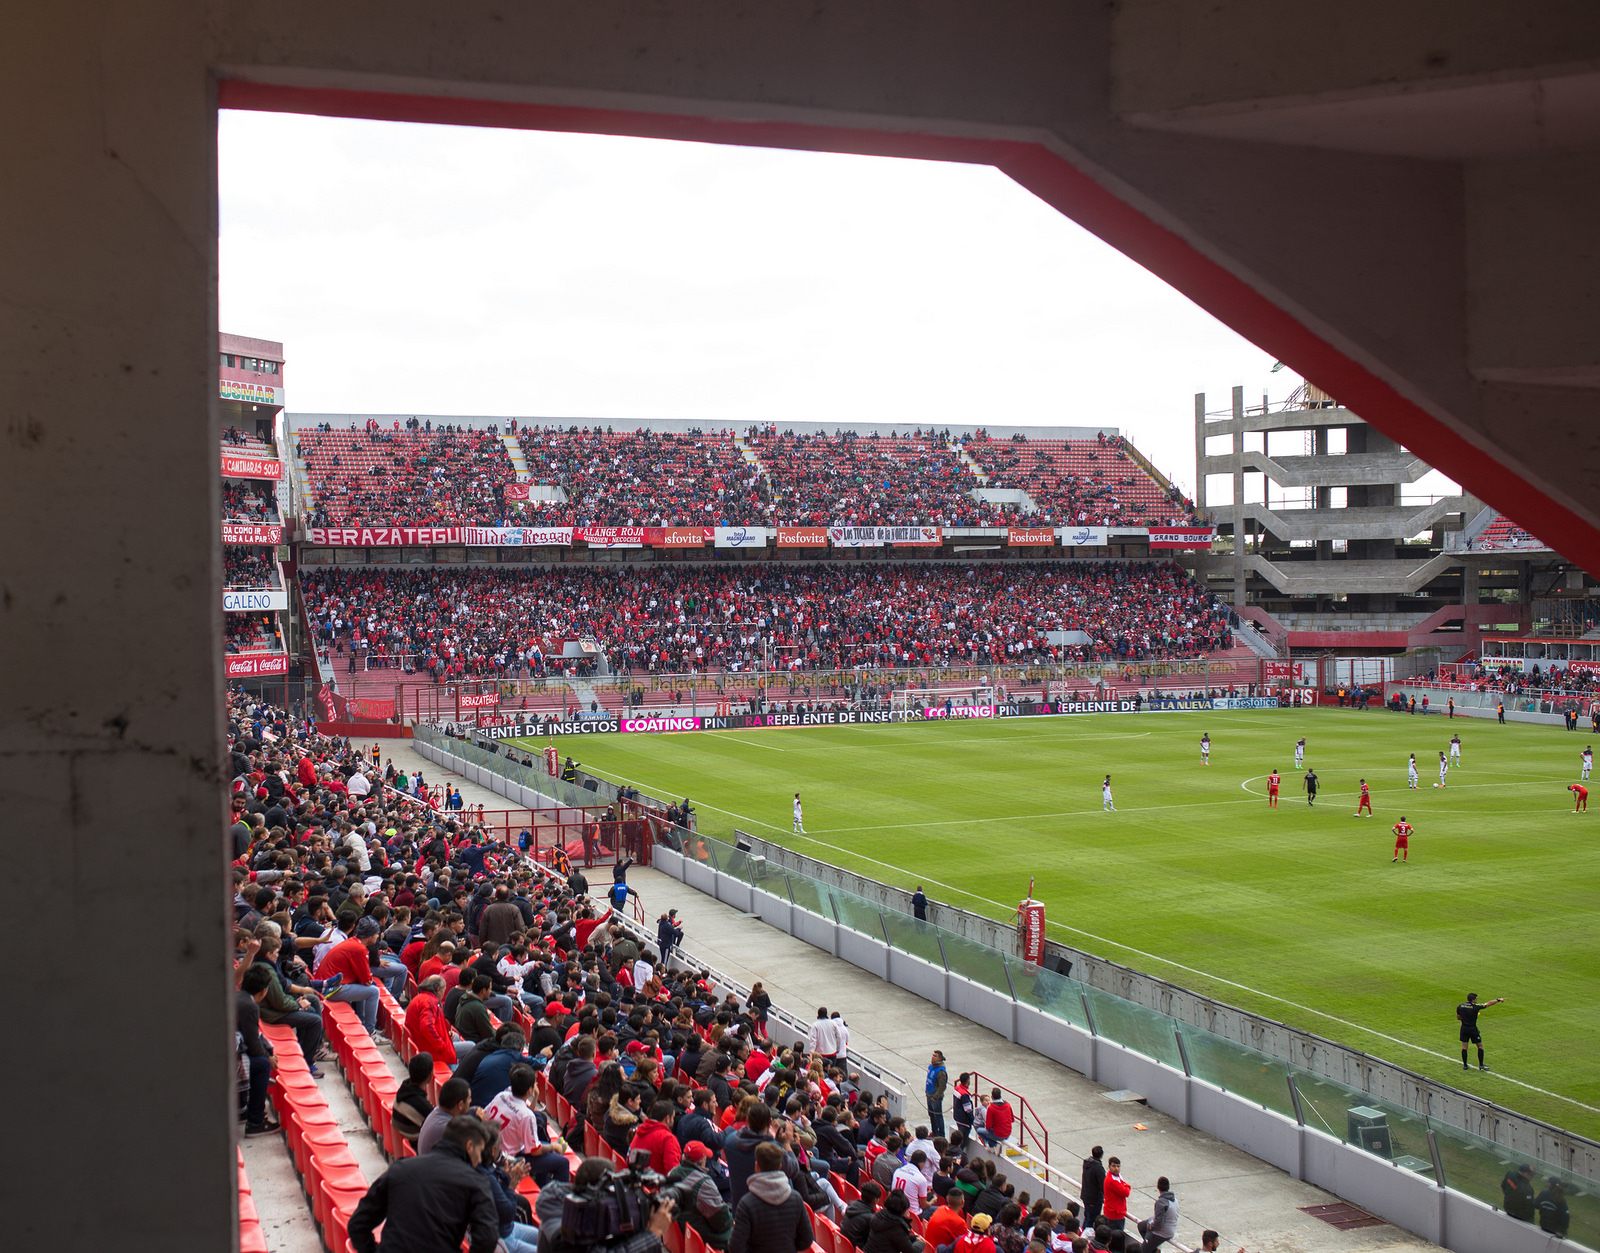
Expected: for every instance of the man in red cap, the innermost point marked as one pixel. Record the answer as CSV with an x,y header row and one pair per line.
x,y
700,1202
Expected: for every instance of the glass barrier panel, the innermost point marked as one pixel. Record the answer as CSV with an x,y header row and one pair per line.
x,y
735,862
920,939
1477,1167
1135,1027
1239,1069
810,895
978,962
857,914
1048,992
1365,1122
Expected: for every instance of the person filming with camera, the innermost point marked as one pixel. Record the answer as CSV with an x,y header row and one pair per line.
x,y
604,1210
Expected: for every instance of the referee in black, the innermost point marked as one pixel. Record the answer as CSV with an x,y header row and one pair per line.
x,y
1467,1014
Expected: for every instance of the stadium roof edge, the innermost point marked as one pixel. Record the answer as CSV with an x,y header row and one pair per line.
x,y
902,426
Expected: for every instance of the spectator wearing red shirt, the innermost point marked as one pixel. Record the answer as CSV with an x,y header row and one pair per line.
x,y
351,960
655,1136
1118,1189
998,1120
427,1026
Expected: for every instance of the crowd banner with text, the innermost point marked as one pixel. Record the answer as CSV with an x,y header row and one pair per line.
x,y
878,536
478,700
510,727
1030,536
612,536
1082,536
1283,671
242,466
677,536
268,600
518,491
424,536
1181,537
1583,666
251,533
741,536
249,665
250,393
802,537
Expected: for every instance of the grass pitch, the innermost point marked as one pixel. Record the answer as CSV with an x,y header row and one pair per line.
x,y
1298,913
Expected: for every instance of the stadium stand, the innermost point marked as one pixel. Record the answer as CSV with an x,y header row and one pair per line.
x,y
851,479
641,478
246,500
1502,533
1080,481
376,477
454,624
251,633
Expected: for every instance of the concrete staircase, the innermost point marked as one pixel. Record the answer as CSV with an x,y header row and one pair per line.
x,y
966,459
519,463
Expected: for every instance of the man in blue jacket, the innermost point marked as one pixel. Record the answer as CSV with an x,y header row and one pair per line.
x,y
933,1087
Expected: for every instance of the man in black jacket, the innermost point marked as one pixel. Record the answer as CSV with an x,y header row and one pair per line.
x,y
1093,1188
858,1214
253,990
889,1230
698,1125
431,1202
771,1217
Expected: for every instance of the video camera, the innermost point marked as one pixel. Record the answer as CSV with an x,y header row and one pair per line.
x,y
620,1204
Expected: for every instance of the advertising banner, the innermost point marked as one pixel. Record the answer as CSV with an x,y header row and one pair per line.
x,y
1503,663
251,533
802,537
250,393
1245,702
424,536
1582,666
1181,537
479,700
878,536
1082,536
270,600
1030,536
1162,703
1283,671
741,536
1030,931
241,466
1289,697
677,536
662,724
249,665
1095,706
612,536
518,491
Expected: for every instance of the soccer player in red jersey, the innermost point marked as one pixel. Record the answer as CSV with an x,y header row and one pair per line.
x,y
1272,790
1580,797
1402,840
1365,802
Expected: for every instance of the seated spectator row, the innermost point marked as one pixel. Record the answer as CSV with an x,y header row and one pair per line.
x,y
250,569
419,474
247,500
251,633
498,623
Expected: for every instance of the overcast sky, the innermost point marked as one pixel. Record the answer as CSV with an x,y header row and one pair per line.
x,y
427,269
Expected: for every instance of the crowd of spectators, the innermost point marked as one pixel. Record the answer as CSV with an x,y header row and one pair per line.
x,y
251,633
495,623
250,568
412,477
863,480
247,500
507,972
1536,681
416,473
642,478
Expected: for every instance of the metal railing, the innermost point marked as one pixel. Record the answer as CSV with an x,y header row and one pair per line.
x,y
1029,1124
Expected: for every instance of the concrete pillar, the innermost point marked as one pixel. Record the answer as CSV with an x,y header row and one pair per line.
x,y
1236,451
110,600
1469,585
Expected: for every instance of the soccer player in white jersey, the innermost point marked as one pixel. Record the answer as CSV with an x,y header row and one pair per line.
x,y
1587,762
799,820
1106,803
1444,768
1411,772
1300,752
1455,750
1205,749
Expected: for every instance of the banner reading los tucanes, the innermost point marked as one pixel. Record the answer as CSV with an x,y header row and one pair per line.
x,y
1030,928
